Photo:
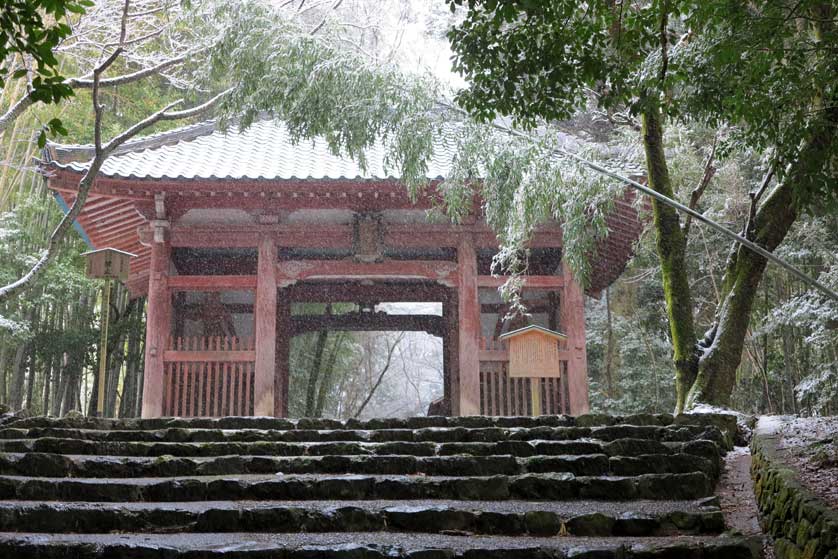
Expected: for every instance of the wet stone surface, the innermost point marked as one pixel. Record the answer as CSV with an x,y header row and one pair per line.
x,y
424,488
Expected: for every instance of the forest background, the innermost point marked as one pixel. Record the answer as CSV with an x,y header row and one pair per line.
x,y
49,333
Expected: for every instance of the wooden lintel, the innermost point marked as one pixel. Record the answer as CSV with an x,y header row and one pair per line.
x,y
212,283
357,321
536,282
291,271
355,292
210,356
300,235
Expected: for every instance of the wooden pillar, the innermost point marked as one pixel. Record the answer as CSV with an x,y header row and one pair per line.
x,y
573,324
158,318
450,346
265,317
283,354
468,313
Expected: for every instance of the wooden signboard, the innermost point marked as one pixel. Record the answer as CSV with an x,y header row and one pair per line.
x,y
108,263
534,352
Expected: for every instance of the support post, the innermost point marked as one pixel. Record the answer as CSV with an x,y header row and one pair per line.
x,y
103,347
283,353
469,329
535,395
573,324
450,346
158,317
265,317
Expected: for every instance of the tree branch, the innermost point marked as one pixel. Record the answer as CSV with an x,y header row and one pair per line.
x,y
101,154
706,177
755,196
20,106
390,352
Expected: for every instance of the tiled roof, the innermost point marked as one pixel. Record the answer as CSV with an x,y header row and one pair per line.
x,y
265,150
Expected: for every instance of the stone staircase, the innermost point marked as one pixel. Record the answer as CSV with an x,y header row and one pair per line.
x,y
421,488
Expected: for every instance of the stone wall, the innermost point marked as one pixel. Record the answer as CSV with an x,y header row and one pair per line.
x,y
802,525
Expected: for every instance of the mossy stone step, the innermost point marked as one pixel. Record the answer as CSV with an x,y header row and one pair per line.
x,y
536,487
674,433
486,518
381,545
590,420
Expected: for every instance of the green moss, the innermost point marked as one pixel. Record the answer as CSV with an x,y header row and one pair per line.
x,y
671,245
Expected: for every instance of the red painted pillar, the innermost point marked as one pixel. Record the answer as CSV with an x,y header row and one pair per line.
x,y
468,313
158,318
265,329
573,324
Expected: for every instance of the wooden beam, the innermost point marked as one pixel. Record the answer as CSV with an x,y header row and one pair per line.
x,y
292,271
469,329
356,292
116,207
299,235
131,223
209,356
503,355
360,321
533,282
212,283
265,317
158,317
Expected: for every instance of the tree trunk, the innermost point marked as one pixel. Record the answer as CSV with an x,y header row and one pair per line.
x,y
314,374
4,353
16,395
671,246
776,215
328,375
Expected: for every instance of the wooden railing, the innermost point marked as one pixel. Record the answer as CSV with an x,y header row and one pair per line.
x,y
502,395
208,376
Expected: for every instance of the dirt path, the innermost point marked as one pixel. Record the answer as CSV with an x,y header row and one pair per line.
x,y
736,496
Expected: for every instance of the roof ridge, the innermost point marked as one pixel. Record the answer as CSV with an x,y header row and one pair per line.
x,y
66,153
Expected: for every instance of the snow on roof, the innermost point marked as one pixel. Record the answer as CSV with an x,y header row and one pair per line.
x,y
265,150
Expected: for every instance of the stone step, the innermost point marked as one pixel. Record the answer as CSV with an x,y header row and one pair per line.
x,y
582,518
672,433
617,447
538,487
58,465
369,545
237,422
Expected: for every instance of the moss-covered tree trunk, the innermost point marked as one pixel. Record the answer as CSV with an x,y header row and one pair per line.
x,y
772,222
671,248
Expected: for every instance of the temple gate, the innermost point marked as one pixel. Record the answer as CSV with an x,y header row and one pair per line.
x,y
231,230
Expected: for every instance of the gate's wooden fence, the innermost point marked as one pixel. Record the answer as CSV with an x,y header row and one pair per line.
x,y
208,376
502,395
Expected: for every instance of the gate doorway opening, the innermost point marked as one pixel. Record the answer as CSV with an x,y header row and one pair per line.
x,y
362,349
